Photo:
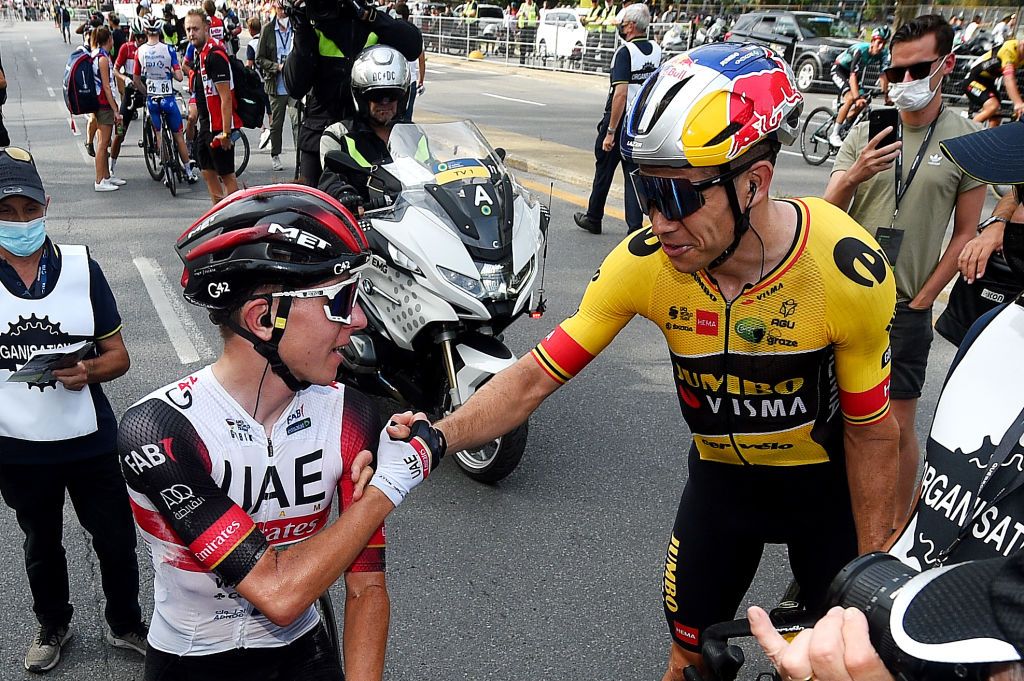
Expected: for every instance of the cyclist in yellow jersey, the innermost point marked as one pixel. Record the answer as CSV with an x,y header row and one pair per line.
x,y
980,87
776,315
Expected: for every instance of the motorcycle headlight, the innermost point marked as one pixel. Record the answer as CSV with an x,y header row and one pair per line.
x,y
495,279
402,260
467,284
515,286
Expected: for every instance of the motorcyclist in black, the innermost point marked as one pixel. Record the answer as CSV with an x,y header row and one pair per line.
x,y
380,89
328,36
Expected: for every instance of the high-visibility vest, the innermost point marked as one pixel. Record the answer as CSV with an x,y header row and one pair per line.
x,y
527,17
595,17
609,19
327,47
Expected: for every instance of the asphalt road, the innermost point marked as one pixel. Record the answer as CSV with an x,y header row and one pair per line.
x,y
553,574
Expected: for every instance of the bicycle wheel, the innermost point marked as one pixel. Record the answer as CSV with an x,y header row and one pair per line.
x,y
241,152
325,607
149,151
167,158
814,144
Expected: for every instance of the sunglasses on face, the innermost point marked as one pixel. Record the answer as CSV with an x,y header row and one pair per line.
x,y
341,297
674,197
384,96
922,69
17,153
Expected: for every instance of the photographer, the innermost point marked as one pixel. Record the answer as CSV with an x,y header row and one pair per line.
x,y
328,36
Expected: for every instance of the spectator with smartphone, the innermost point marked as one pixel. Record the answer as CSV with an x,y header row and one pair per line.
x,y
904,194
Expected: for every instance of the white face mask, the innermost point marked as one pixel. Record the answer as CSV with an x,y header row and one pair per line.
x,y
917,94
283,21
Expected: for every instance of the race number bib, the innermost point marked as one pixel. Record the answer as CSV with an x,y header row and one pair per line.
x,y
159,87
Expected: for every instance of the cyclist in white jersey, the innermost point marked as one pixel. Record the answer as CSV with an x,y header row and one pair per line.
x,y
228,466
156,67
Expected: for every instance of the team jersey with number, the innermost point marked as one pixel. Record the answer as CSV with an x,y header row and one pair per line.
x,y
211,490
764,378
156,65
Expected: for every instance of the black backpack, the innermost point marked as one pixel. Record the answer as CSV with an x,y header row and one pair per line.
x,y
250,102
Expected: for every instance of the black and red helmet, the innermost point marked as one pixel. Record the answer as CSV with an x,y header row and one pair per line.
x,y
285,234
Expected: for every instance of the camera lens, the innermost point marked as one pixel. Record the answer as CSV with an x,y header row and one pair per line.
x,y
869,583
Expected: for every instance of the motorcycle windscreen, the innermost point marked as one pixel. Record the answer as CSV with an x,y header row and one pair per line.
x,y
466,191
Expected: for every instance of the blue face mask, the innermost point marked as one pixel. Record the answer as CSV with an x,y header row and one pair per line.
x,y
22,238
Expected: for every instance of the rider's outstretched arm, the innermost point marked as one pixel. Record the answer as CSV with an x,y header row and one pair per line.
x,y
499,406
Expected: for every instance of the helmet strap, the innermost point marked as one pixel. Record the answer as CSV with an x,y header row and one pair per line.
x,y
269,349
741,220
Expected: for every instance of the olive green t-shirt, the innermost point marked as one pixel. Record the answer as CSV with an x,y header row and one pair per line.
x,y
927,205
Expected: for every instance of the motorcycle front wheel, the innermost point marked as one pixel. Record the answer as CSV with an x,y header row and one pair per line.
x,y
495,460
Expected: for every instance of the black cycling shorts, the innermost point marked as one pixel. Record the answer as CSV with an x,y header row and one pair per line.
x,y
980,90
728,513
841,78
310,658
220,160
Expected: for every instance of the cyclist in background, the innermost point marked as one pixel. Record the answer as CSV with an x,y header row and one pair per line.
x,y
132,99
156,63
848,73
980,84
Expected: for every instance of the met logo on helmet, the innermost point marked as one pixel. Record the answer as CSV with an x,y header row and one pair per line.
x,y
300,237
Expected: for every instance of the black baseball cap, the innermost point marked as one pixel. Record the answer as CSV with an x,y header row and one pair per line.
x,y
967,613
19,176
992,156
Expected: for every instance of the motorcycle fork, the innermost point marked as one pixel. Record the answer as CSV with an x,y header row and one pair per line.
x,y
449,366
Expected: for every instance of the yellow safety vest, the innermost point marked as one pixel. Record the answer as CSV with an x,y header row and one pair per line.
x,y
527,16
609,19
594,18
327,48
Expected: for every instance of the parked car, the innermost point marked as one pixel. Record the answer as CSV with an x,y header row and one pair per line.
x,y
809,41
560,33
460,33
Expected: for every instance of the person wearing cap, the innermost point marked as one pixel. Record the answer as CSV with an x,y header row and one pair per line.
x,y
904,195
57,432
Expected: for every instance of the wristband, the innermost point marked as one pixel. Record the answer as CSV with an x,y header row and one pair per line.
x,y
991,221
611,131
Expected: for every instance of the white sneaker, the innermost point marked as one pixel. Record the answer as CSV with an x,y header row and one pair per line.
x,y
264,138
105,186
117,180
834,139
275,162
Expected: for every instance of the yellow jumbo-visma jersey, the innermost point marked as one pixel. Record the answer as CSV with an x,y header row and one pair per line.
x,y
763,379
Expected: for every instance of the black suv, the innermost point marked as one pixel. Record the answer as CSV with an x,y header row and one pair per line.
x,y
809,41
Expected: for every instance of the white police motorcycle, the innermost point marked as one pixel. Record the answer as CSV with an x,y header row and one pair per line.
x,y
459,249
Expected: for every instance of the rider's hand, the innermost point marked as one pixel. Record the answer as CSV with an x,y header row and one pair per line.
x,y
1018,109
836,649
874,159
406,462
73,378
362,471
399,427
974,257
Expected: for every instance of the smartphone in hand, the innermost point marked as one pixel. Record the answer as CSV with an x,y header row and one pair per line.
x,y
881,118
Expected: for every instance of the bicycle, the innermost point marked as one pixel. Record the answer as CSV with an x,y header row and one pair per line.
x,y
163,161
241,143
325,607
817,128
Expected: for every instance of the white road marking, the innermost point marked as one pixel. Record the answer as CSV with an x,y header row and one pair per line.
x,y
50,92
188,343
39,72
512,99
433,71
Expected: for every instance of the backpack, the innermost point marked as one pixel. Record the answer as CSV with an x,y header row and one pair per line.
x,y
80,94
250,102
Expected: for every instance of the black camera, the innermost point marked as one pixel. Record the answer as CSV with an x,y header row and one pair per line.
x,y
329,10
870,584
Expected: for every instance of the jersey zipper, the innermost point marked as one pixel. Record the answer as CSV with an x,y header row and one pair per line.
x,y
725,367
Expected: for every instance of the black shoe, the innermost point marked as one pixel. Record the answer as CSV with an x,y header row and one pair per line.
x,y
583,221
90,149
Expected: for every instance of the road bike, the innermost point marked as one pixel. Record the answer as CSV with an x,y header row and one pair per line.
x,y
241,144
163,160
325,607
814,135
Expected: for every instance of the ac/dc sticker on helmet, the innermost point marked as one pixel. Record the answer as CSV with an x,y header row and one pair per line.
x,y
644,243
859,262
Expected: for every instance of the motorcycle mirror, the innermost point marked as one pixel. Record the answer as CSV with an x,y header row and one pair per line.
x,y
500,153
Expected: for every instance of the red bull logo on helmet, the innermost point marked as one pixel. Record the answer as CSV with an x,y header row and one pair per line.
x,y
764,98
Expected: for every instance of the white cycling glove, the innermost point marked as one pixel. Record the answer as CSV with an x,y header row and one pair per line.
x,y
403,464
